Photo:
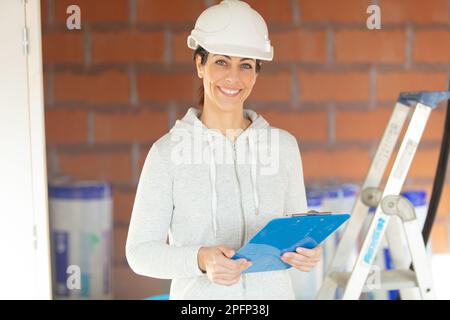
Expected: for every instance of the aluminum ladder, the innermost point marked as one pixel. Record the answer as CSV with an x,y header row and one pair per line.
x,y
394,215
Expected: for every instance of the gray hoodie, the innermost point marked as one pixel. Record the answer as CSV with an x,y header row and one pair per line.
x,y
199,188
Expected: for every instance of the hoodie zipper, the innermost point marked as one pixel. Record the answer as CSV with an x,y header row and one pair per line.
x,y
244,225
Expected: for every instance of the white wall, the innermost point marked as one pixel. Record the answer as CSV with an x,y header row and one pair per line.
x,y
24,239
440,264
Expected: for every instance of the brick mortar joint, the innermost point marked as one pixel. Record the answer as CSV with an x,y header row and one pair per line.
x,y
135,157
409,43
133,83
50,12
132,14
331,123
87,46
296,14
330,49
448,13
90,127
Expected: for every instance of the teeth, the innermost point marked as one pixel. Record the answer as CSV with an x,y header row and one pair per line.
x,y
228,91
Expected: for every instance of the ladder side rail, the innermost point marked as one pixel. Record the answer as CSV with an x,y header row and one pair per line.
x,y
359,211
393,186
421,263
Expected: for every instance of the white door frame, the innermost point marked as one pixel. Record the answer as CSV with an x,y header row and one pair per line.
x,y
25,268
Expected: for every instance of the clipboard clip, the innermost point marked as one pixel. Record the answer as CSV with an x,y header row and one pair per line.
x,y
310,213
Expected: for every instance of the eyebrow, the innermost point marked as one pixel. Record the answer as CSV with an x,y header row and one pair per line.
x,y
230,58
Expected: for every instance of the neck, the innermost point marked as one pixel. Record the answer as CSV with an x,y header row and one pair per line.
x,y
227,122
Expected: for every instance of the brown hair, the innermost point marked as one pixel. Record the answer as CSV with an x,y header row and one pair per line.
x,y
204,57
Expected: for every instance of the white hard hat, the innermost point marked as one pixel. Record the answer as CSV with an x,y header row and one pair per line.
x,y
232,28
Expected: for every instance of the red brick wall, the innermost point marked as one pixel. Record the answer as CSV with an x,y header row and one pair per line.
x,y
109,90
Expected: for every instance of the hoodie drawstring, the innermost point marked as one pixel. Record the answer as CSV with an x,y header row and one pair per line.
x,y
251,143
212,174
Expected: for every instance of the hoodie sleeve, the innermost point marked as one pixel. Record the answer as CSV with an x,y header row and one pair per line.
x,y
295,199
147,252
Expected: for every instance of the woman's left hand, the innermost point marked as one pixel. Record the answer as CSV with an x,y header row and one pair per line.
x,y
303,259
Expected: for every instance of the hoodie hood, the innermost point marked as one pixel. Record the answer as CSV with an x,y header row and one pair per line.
x,y
192,124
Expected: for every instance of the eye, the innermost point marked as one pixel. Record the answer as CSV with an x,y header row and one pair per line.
x,y
247,66
221,62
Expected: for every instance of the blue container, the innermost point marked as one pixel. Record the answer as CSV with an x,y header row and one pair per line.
x,y
416,197
81,231
80,190
314,199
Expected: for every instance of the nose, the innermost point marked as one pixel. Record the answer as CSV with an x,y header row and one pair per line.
x,y
233,75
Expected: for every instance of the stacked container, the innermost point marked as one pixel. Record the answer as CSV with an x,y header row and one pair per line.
x,y
81,236
307,284
339,199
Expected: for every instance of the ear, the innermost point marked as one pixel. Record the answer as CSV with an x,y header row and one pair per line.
x,y
199,66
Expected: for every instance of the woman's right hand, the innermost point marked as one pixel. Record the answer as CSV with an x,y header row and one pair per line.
x,y
220,268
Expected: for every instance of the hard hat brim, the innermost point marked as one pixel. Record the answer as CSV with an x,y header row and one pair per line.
x,y
230,50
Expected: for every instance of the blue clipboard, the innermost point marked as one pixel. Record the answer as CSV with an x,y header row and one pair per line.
x,y
286,234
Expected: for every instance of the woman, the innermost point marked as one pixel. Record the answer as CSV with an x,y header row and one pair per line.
x,y
219,175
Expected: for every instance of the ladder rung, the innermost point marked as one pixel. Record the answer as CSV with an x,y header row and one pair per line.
x,y
389,280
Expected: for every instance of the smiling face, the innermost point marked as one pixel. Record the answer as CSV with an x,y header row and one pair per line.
x,y
227,81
